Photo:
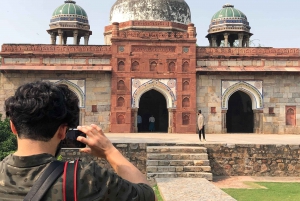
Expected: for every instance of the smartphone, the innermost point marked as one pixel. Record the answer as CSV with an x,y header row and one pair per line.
x,y
71,139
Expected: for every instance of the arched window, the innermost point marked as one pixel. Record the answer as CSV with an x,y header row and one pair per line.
x,y
185,119
185,67
121,119
135,66
153,66
121,85
290,117
186,102
172,67
121,102
185,86
121,66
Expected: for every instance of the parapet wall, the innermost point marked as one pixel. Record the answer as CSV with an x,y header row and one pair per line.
x,y
225,160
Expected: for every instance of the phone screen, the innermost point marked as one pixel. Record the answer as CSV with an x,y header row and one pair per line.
x,y
71,139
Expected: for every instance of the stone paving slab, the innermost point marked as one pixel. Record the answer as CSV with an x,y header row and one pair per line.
x,y
190,189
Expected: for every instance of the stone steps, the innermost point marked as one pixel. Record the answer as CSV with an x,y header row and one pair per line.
x,y
177,149
204,175
156,169
179,156
178,161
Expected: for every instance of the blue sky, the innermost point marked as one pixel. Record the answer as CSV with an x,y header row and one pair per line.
x,y
275,23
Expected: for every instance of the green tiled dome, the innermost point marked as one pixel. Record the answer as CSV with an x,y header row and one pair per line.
x,y
228,11
69,8
70,12
229,19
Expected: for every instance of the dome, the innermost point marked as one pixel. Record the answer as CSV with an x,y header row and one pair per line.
x,y
229,19
229,11
152,10
70,11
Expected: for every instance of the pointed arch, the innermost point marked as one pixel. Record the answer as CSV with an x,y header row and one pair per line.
x,y
153,66
186,102
185,86
185,66
135,66
76,89
155,85
121,85
120,102
121,66
253,92
172,66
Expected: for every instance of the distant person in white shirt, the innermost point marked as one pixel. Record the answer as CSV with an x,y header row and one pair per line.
x,y
201,125
151,123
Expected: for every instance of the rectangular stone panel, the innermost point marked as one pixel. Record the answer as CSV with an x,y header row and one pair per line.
x,y
35,60
79,61
207,63
295,63
280,63
232,63
16,60
63,61
99,61
269,63
247,63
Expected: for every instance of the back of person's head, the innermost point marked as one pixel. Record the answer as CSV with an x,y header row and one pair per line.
x,y
38,109
199,111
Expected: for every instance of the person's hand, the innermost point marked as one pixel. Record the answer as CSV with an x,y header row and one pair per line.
x,y
98,144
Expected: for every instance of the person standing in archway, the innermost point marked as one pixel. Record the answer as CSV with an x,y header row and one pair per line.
x,y
201,125
139,123
151,123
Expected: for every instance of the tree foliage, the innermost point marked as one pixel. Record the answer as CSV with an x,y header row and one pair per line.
x,y
8,141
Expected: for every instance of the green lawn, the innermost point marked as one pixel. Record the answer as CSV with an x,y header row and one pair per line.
x,y
157,193
274,192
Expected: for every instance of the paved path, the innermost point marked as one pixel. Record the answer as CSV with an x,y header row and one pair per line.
x,y
190,189
211,138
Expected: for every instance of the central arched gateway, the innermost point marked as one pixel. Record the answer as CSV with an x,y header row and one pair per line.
x,y
153,103
240,114
154,93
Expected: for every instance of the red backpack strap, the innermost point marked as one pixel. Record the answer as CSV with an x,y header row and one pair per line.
x,y
70,181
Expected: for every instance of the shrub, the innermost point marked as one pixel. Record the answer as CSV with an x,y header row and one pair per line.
x,y
8,141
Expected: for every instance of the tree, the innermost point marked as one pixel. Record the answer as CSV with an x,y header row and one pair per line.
x,y
8,141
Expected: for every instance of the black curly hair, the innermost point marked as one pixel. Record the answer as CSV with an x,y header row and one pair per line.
x,y
37,109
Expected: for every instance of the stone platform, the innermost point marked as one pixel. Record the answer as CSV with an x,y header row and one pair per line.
x,y
274,139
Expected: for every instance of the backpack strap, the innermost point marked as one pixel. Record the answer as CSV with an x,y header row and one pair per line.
x,y
70,181
45,181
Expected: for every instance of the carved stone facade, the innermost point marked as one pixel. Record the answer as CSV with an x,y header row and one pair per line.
x,y
149,63
156,67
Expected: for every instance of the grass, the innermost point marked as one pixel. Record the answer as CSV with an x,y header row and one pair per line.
x,y
155,188
274,192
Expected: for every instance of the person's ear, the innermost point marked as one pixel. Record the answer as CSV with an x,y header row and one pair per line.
x,y
62,131
13,128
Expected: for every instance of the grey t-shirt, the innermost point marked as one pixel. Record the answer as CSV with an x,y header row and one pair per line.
x,y
18,174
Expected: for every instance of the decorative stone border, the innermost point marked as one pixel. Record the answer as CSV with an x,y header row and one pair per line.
x,y
138,89
252,91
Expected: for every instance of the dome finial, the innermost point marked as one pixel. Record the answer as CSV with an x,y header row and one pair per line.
x,y
228,5
70,1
